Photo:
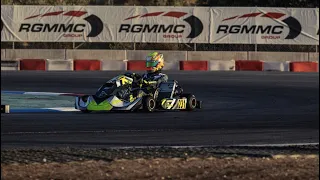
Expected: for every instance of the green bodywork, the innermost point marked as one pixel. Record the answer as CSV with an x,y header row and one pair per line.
x,y
103,106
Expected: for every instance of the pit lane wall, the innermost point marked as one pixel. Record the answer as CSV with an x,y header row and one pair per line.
x,y
96,60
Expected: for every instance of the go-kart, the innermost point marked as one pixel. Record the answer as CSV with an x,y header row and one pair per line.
x,y
109,97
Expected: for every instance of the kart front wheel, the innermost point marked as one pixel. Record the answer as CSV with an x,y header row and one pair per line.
x,y
149,104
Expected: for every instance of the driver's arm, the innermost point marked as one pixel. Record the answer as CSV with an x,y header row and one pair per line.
x,y
163,78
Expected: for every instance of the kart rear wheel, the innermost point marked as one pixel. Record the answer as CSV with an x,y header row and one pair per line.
x,y
191,102
149,104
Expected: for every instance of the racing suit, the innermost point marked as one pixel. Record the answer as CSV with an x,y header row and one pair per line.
x,y
154,79
148,82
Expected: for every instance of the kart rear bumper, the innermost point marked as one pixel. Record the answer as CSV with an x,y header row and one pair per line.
x,y
199,105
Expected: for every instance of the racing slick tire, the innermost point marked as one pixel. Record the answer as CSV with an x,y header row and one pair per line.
x,y
191,101
149,104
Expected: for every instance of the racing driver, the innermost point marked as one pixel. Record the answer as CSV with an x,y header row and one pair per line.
x,y
153,77
154,63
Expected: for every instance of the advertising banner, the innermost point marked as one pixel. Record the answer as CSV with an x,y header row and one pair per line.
x,y
218,25
265,26
105,24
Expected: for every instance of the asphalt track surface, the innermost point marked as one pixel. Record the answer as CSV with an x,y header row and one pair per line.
x,y
239,108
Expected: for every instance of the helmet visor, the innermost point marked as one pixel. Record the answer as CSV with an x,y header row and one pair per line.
x,y
152,63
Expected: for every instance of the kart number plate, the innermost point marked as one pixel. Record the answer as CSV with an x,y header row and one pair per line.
x,y
182,104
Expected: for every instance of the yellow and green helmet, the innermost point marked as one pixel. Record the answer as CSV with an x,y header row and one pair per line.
x,y
155,61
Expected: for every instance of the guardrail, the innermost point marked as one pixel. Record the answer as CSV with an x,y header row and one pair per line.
x,y
136,65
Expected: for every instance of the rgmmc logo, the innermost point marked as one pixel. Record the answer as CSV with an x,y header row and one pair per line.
x,y
73,29
170,30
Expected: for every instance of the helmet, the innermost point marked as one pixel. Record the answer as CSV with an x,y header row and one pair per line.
x,y
155,61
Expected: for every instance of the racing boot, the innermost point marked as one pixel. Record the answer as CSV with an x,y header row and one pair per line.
x,y
129,97
125,95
